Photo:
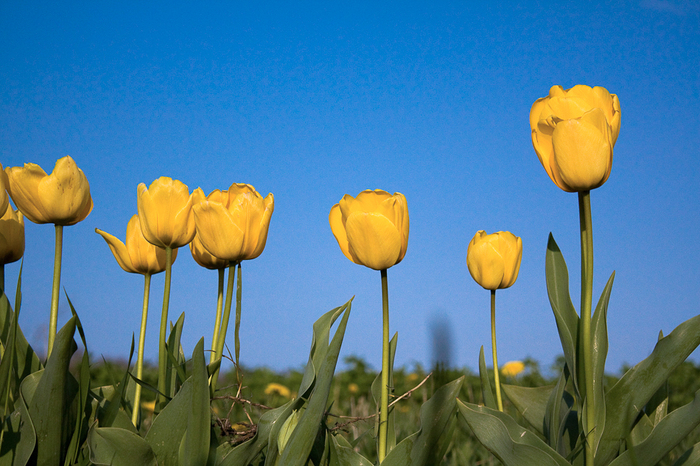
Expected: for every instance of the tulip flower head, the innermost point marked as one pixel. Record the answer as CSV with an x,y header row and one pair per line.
x,y
494,260
512,368
573,133
62,198
165,213
371,229
11,236
137,255
232,225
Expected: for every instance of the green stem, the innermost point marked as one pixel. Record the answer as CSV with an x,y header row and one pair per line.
x,y
217,321
237,327
162,355
384,406
497,379
224,326
53,317
584,203
142,342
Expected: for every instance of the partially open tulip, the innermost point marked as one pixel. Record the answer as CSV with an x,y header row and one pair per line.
x,y
371,229
494,260
232,225
573,133
62,198
165,212
137,255
11,236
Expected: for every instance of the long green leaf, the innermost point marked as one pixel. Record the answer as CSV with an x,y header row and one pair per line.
x,y
564,312
486,390
637,386
195,445
170,425
342,454
26,361
666,434
49,404
531,402
509,442
302,439
19,438
174,373
561,422
690,458
599,331
119,447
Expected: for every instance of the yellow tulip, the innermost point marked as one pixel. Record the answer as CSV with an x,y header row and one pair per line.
x,y
573,133
11,236
203,257
494,260
232,225
512,368
63,197
371,229
137,255
278,389
165,211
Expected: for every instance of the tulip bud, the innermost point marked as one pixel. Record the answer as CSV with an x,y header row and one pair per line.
x,y
494,260
165,212
573,133
137,255
372,229
62,198
11,236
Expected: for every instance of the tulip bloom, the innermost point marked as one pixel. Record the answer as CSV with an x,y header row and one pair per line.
x,y
137,255
512,368
372,229
494,260
62,198
233,224
11,236
165,211
573,133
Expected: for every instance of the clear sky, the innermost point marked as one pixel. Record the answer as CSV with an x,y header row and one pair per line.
x,y
311,101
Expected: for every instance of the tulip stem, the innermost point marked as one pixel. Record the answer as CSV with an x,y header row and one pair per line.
x,y
53,317
239,292
584,202
224,326
384,406
497,380
142,343
217,321
162,355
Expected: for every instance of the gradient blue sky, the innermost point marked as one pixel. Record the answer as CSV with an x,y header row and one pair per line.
x,y
310,101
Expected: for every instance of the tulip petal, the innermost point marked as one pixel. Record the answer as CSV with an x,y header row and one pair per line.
x,y
246,211
485,263
219,234
203,257
145,257
11,236
24,188
118,250
373,240
335,218
264,226
165,211
583,151
65,193
511,250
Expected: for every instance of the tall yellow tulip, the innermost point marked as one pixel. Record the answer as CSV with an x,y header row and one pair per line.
x,y
494,260
136,255
62,198
233,224
573,133
371,229
11,236
165,211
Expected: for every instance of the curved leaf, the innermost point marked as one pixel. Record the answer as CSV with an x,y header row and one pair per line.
x,y
531,402
196,442
119,447
486,390
342,454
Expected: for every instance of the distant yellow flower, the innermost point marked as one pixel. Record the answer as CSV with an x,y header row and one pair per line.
x,y
371,229
277,389
353,388
232,225
573,133
63,197
494,260
165,212
512,368
137,255
412,377
11,235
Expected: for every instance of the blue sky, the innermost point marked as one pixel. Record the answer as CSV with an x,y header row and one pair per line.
x,y
311,101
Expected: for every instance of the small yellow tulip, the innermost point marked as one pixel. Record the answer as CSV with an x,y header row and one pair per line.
x,y
494,260
371,229
165,212
137,255
232,225
62,198
278,389
573,133
512,368
11,236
